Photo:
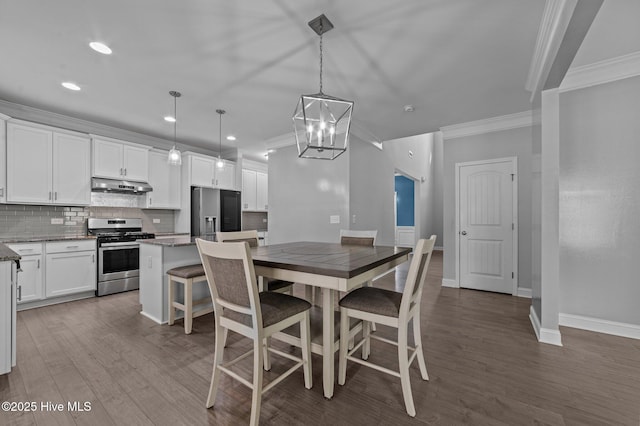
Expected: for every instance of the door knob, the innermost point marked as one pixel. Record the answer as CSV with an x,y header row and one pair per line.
x,y
464,232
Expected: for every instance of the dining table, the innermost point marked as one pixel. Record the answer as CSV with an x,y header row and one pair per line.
x,y
333,268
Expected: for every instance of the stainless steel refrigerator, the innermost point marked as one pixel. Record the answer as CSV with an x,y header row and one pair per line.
x,y
214,210
204,211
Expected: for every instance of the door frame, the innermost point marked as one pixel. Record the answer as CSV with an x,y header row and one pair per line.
x,y
514,189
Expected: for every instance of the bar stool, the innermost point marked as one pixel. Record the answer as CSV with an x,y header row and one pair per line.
x,y
187,275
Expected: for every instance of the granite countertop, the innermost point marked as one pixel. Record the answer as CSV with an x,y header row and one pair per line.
x,y
164,234
6,254
34,239
175,242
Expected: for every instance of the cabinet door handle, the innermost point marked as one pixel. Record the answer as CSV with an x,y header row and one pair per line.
x,y
21,250
38,263
70,247
121,171
150,201
49,195
1,192
55,195
93,258
19,293
125,171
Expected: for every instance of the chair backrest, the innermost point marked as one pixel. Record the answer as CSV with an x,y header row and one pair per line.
x,y
249,236
417,274
359,238
231,278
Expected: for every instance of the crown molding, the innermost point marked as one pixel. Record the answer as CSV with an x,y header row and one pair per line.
x,y
495,124
555,20
48,118
281,141
4,117
601,72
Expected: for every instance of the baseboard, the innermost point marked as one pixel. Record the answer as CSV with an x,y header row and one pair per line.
x,y
152,318
446,282
598,325
524,292
544,335
438,248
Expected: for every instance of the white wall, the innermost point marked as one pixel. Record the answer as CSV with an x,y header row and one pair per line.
x,y
303,194
600,201
505,143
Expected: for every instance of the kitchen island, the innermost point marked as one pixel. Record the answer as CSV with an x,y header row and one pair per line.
x,y
157,256
8,284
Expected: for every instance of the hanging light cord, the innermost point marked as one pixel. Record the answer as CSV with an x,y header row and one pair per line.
x,y
220,135
175,123
321,57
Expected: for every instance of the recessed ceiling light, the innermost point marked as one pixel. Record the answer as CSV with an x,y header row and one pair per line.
x,y
170,119
231,138
409,108
100,47
71,86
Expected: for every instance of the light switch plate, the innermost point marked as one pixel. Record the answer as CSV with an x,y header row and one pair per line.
x,y
57,221
156,220
334,219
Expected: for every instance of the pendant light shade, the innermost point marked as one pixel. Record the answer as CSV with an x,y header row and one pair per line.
x,y
321,122
175,157
220,162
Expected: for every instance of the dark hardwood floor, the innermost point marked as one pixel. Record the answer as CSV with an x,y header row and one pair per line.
x,y
484,363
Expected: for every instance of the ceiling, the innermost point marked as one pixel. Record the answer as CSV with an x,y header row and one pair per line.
x,y
453,60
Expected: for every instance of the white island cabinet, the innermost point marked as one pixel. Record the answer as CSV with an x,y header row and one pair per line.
x,y
157,256
32,265
8,290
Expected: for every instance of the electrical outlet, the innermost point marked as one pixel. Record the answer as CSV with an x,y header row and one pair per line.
x,y
334,219
156,220
57,221
264,220
353,219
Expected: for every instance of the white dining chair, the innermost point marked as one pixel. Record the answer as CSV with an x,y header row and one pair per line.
x,y
239,307
392,309
251,237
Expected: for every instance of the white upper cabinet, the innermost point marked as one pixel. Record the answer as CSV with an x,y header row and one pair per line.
x,y
254,190
45,166
165,181
118,160
3,159
203,172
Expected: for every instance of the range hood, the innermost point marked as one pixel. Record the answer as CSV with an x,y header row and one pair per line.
x,y
120,186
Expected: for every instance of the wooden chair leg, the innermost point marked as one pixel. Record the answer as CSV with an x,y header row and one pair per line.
x,y
344,342
170,299
224,337
403,361
217,360
256,397
417,338
373,324
188,306
366,333
305,336
308,293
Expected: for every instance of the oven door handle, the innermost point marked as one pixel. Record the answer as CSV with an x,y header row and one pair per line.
x,y
122,244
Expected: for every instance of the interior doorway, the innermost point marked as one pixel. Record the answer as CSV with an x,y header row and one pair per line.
x,y
486,225
405,211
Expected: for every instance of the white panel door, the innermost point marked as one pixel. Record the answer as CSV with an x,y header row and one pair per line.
x,y
262,191
136,163
71,170
248,189
28,164
202,172
486,222
68,273
107,159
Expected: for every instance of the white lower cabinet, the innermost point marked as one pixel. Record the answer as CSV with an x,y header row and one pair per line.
x,y
31,276
70,268
54,269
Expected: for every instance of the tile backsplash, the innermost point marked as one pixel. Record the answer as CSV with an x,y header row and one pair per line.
x,y
255,220
23,221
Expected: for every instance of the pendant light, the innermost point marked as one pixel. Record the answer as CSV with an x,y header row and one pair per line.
x,y
175,157
220,163
321,122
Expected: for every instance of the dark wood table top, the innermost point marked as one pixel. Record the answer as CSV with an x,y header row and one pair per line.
x,y
336,260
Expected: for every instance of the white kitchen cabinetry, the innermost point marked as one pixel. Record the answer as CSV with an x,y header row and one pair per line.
x,y
204,173
164,178
70,267
45,166
32,265
3,158
115,159
254,190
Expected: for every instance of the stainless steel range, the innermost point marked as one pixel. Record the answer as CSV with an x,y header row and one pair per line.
x,y
118,253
